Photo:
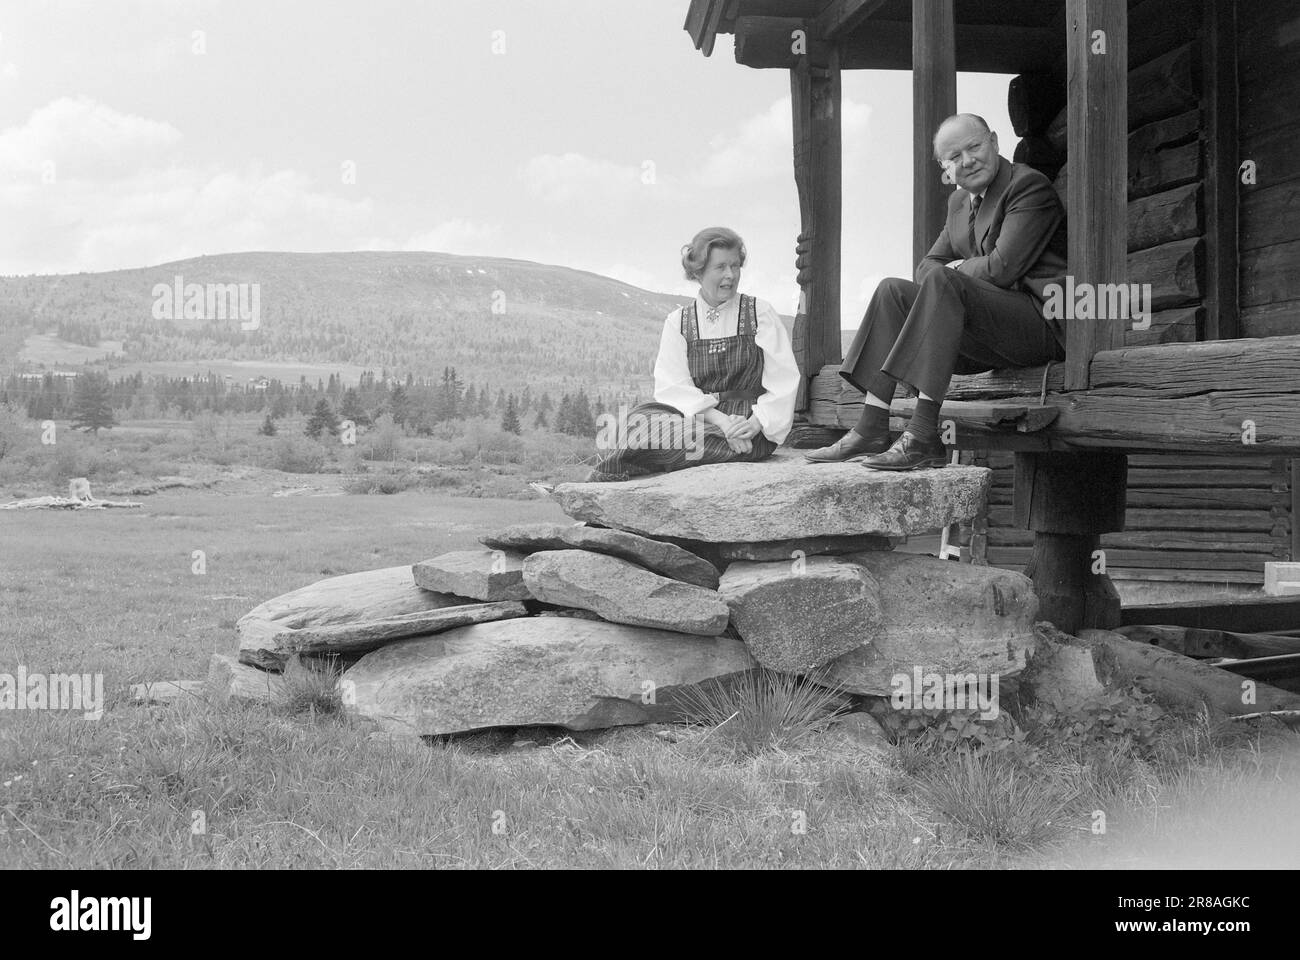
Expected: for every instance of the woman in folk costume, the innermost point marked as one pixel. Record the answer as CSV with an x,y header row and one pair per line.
x,y
725,377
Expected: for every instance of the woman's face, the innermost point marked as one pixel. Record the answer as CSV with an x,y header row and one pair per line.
x,y
721,275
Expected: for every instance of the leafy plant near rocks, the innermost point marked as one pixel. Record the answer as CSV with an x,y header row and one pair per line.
x,y
1128,714
761,709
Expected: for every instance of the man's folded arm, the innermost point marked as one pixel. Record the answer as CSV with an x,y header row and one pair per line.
x,y
940,255
1032,216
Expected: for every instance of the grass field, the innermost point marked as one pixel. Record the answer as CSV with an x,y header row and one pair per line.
x,y
202,784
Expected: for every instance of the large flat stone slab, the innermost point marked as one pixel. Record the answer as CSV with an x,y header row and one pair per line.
x,y
623,592
941,616
784,497
665,559
347,601
535,671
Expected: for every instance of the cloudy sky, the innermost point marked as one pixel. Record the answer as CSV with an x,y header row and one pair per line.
x,y
588,133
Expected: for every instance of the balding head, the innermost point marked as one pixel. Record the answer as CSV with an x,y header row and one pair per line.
x,y
967,149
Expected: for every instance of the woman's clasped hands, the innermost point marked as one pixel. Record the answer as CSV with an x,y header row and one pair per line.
x,y
738,431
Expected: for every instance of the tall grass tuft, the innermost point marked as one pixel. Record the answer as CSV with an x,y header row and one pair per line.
x,y
995,798
762,709
311,688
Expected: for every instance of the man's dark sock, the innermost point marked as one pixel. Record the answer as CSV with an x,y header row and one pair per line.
x,y
873,423
924,424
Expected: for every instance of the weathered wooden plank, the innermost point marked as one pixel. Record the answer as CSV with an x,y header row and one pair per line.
x,y
1164,87
1269,274
1165,217
1236,521
1098,146
1174,271
1193,498
1180,325
1220,419
1274,155
1156,27
986,414
1187,576
818,158
1180,462
1166,169
1191,642
1152,559
767,42
1269,367
1166,478
934,98
1242,615
978,48
1219,68
1271,320
1270,213
1186,541
842,17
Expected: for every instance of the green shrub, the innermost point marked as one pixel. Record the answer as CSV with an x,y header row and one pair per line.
x,y
294,454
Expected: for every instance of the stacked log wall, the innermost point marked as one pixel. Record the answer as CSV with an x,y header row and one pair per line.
x,y
1269,221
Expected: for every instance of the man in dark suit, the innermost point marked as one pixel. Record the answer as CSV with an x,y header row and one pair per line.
x,y
976,303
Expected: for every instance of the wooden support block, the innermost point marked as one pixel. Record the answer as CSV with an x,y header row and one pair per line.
x,y
934,98
1164,217
1173,270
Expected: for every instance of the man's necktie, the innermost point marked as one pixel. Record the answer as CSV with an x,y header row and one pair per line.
x,y
974,212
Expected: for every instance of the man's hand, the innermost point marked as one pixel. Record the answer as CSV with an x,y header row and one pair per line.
x,y
954,264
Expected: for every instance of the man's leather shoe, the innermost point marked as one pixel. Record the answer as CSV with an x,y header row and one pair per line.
x,y
910,453
848,447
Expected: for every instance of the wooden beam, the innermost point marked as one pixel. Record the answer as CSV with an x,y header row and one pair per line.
x,y
842,17
934,99
711,28
1221,150
1245,615
818,156
1097,45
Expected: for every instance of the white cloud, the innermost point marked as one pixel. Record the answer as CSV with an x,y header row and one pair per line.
x,y
122,195
761,148
576,178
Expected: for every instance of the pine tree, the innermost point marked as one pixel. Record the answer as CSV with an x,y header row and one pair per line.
x,y
92,406
399,405
539,421
583,423
510,419
322,419
564,416
279,407
351,408
267,429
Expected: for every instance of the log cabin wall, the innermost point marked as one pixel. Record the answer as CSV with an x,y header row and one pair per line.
x,y
1190,518
1269,91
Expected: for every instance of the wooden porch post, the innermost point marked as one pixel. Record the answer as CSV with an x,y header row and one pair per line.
x,y
1097,195
815,98
934,99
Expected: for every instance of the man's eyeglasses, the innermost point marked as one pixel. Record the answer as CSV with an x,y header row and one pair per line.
x,y
971,148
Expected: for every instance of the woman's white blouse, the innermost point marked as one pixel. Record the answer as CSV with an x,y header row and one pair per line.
x,y
673,383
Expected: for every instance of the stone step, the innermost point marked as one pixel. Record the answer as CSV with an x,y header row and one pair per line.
x,y
783,497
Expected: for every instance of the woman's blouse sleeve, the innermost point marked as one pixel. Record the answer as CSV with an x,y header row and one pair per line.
x,y
775,408
673,383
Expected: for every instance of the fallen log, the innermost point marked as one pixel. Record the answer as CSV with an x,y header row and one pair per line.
x,y
1194,642
1181,678
64,503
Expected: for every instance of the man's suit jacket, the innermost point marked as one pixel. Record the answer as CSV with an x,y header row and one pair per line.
x,y
1020,239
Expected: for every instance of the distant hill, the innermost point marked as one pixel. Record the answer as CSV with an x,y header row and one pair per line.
x,y
416,312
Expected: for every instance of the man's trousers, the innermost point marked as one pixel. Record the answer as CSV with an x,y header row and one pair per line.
x,y
923,333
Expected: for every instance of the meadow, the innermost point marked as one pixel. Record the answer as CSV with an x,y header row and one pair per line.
x,y
203,783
